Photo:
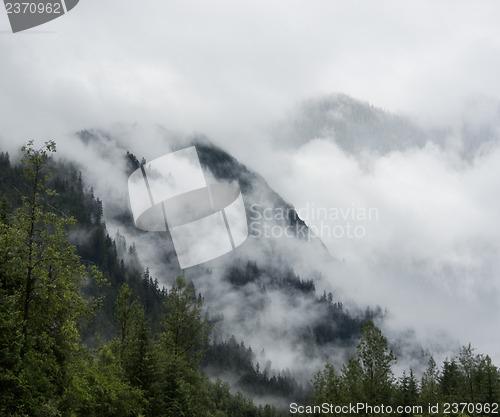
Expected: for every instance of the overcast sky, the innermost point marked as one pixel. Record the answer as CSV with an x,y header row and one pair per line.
x,y
232,69
228,68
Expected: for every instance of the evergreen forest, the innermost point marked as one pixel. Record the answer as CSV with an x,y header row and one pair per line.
x,y
86,330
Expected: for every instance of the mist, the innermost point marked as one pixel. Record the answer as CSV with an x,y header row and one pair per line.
x,y
411,231
143,78
429,252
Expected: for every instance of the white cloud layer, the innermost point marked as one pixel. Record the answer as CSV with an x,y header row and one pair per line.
x,y
230,68
429,254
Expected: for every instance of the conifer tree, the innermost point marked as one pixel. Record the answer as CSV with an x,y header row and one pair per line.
x,y
182,390
327,386
376,360
134,344
407,393
430,384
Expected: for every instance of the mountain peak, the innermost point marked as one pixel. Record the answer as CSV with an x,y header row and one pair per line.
x,y
352,124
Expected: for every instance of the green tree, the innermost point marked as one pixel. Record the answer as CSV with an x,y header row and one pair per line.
x,y
450,382
4,210
99,388
10,353
220,393
181,388
41,277
327,386
10,320
134,345
488,381
407,393
430,384
185,329
352,377
376,360
468,365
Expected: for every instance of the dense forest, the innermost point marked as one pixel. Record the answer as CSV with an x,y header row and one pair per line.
x,y
83,331
87,331
467,384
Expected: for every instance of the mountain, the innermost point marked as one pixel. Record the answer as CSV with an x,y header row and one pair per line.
x,y
352,124
260,299
272,323
357,126
143,348
263,293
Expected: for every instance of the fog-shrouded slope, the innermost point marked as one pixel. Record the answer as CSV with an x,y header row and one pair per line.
x,y
357,126
353,124
265,291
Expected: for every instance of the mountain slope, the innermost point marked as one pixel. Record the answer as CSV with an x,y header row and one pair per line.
x,y
352,124
357,126
263,292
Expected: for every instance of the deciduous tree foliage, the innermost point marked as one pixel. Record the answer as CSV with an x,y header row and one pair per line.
x,y
45,301
41,277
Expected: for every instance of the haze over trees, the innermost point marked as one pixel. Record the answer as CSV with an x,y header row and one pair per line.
x,y
368,378
87,331
47,300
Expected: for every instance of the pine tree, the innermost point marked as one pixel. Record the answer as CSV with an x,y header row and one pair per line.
x,y
376,360
430,384
450,382
185,330
134,344
488,381
327,386
407,391
181,389
4,210
352,376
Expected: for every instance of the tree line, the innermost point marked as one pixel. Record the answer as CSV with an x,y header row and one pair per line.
x,y
368,378
46,305
85,331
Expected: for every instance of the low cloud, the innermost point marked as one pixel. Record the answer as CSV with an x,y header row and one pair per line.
x,y
430,256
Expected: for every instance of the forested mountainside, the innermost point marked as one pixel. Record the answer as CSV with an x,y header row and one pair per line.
x,y
246,290
123,283
92,333
87,330
354,125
